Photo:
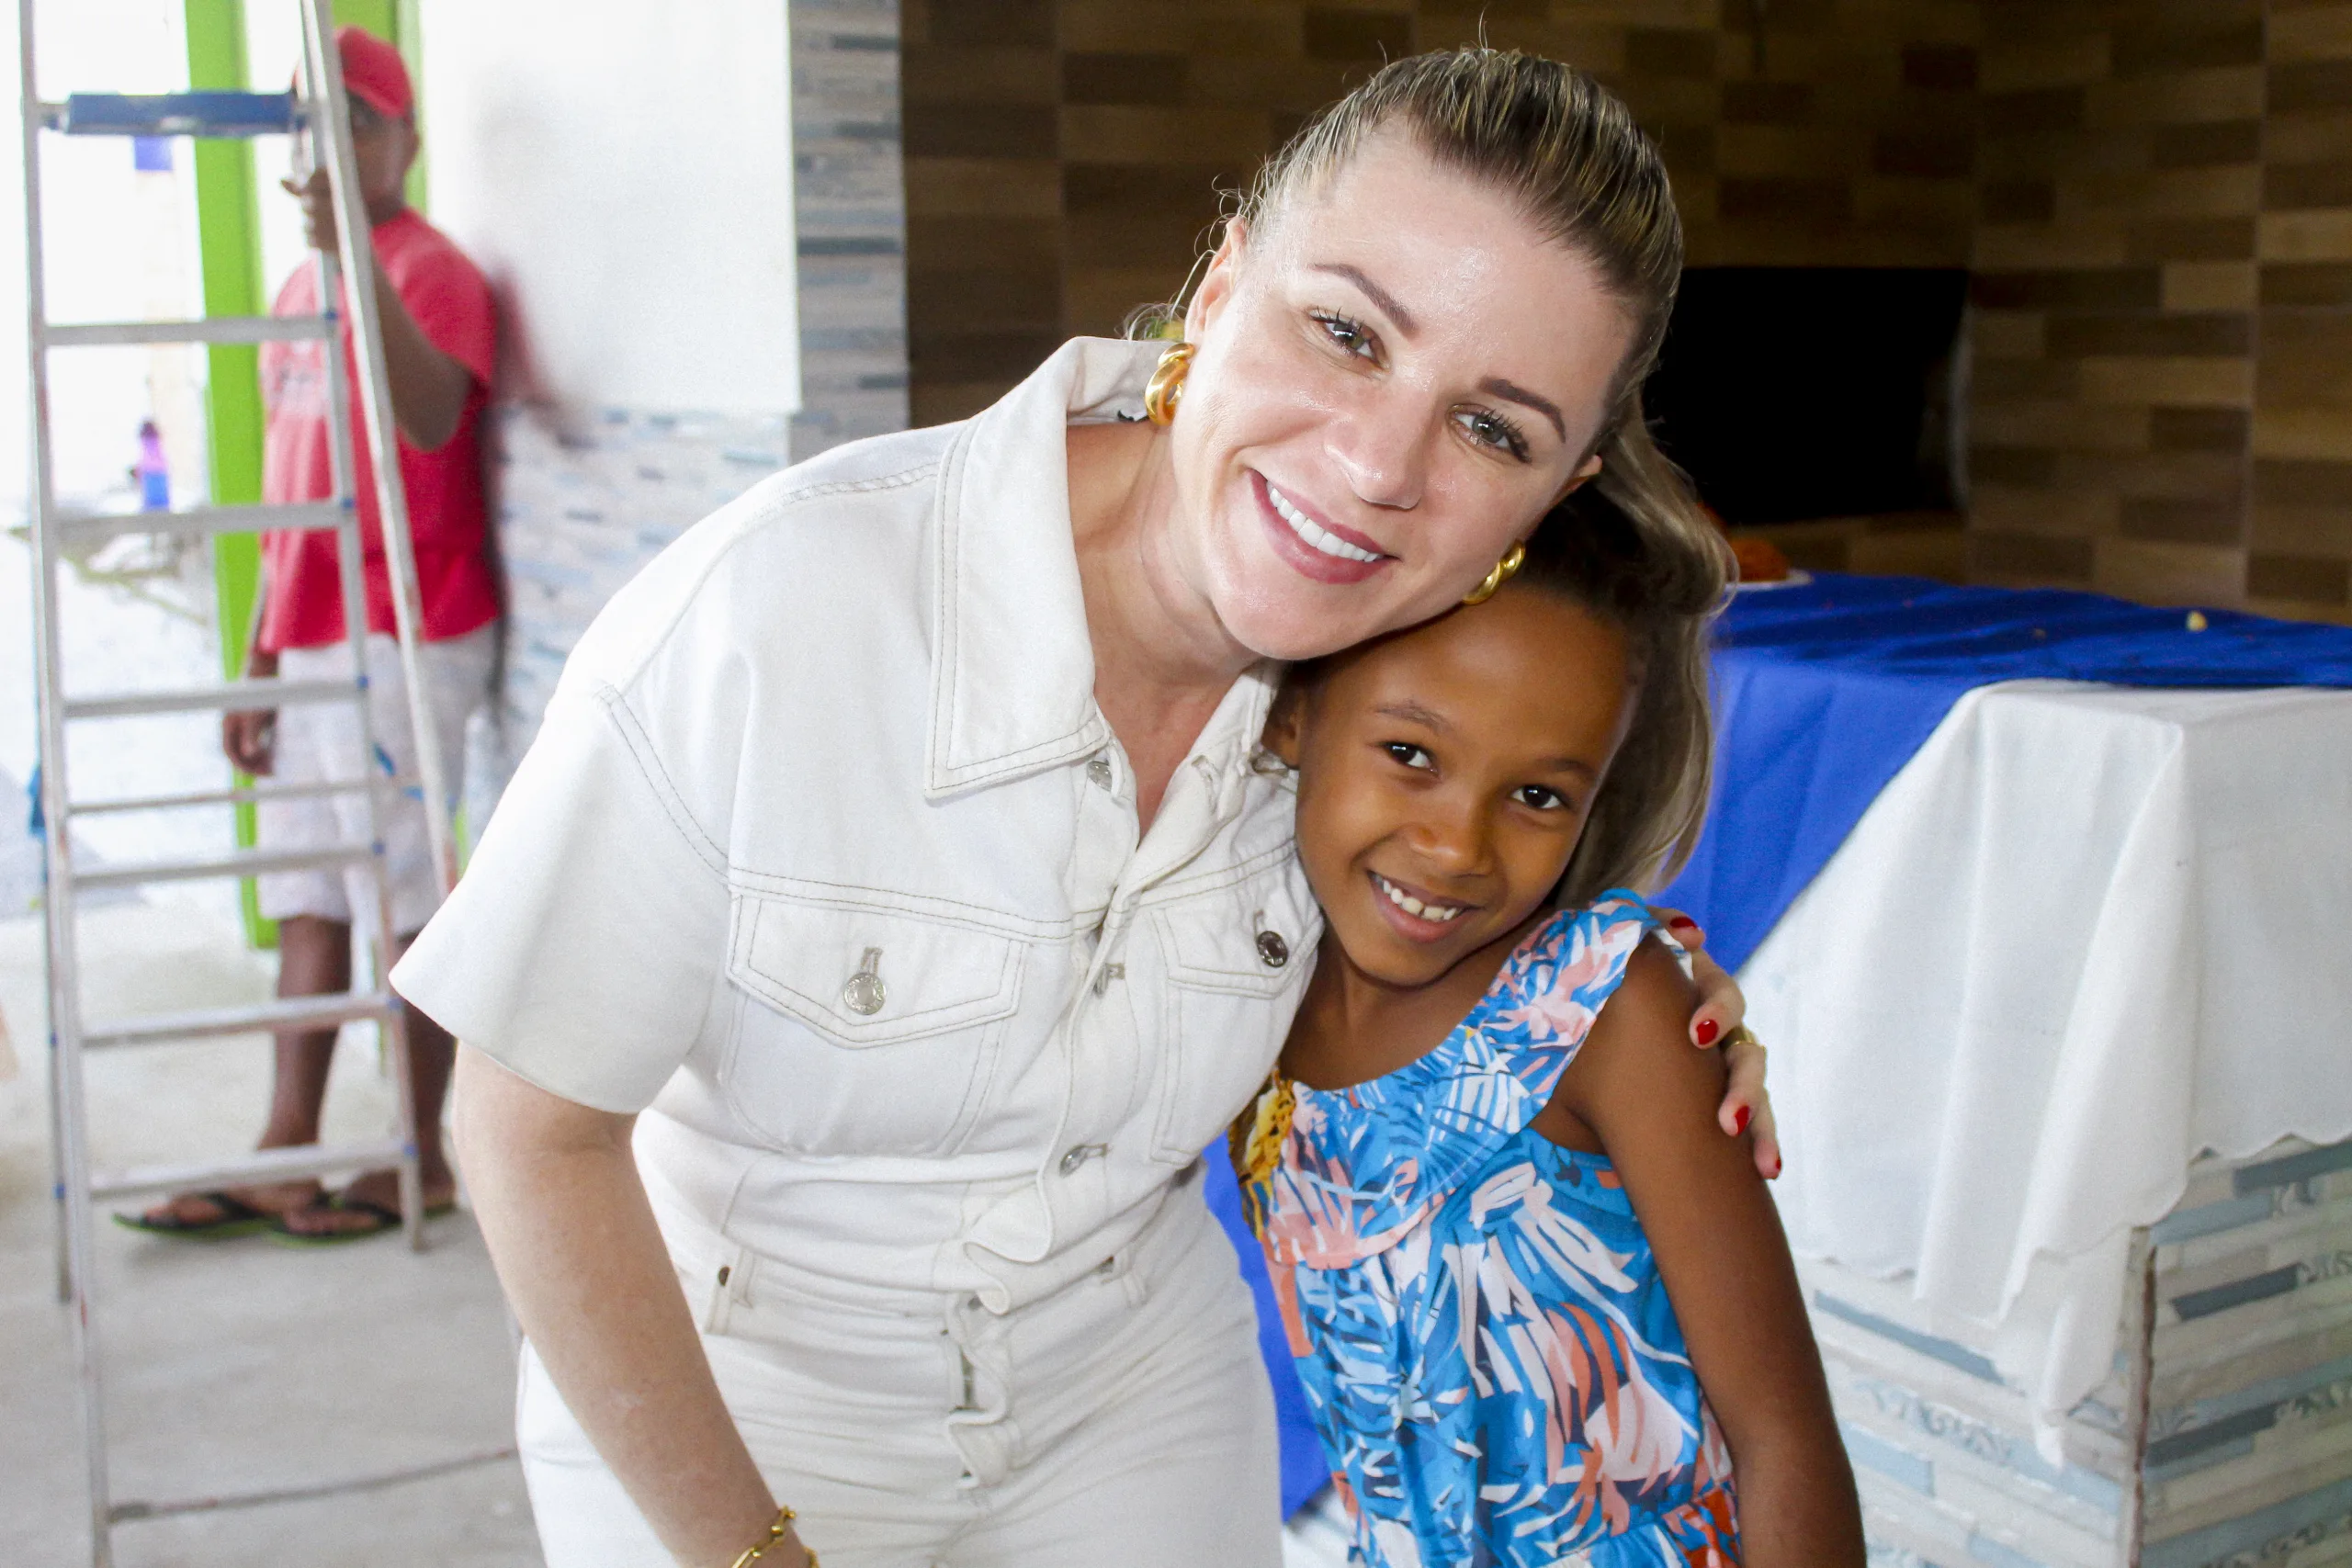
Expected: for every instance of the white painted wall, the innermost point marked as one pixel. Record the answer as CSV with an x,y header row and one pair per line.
x,y
121,244
623,171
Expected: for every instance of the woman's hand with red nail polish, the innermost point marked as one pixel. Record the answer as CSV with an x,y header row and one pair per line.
x,y
1686,930
1721,1005
1746,1109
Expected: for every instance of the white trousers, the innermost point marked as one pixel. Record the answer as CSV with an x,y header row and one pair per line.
x,y
1124,1422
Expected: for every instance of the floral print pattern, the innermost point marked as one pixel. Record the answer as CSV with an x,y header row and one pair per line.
x,y
1494,1366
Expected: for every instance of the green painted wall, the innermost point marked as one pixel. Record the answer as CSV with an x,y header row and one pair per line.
x,y
229,248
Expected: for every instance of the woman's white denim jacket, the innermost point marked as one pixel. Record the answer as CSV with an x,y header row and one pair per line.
x,y
826,861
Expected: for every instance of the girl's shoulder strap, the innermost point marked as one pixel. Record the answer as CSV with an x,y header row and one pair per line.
x,y
1549,995
1381,1154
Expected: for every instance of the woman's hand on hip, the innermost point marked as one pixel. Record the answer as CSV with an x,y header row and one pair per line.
x,y
1717,1022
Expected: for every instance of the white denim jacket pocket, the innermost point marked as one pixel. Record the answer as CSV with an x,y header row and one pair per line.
x,y
863,1030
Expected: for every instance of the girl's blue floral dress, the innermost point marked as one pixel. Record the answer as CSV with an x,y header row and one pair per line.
x,y
1492,1361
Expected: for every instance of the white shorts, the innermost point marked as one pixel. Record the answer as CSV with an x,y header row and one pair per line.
x,y
1124,1422
318,742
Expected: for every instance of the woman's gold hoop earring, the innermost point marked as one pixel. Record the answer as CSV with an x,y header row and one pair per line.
x,y
1167,387
1504,570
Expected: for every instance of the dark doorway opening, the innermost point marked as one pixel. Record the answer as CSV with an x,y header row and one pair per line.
x,y
1790,393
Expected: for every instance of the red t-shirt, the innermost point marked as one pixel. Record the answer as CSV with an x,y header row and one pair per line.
x,y
448,516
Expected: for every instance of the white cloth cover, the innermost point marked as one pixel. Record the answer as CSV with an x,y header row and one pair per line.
x,y
2085,935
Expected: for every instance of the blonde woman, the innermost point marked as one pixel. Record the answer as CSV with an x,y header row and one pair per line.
x,y
897,901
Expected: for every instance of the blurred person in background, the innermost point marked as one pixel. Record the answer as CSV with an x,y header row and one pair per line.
x,y
440,335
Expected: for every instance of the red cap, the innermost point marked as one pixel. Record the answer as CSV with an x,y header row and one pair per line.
x,y
373,70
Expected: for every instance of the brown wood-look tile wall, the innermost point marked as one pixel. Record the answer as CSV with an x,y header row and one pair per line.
x,y
1067,160
2163,300
981,122
2300,537
2156,196
2120,177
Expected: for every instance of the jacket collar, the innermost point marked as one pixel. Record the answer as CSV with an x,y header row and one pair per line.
x,y
1012,665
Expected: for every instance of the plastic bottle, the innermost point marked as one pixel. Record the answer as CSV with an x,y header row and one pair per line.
x,y
154,473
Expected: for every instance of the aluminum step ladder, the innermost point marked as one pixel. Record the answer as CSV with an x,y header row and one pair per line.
x,y
321,108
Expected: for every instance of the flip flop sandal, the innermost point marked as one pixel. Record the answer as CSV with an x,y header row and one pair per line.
x,y
385,1220
237,1218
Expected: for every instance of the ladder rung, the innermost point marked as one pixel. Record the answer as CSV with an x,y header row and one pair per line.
x,y
242,863
252,795
214,113
228,696
217,329
246,1170
285,1014
202,521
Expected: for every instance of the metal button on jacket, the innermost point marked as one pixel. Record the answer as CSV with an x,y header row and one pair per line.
x,y
1099,769
1272,949
865,993
1080,1153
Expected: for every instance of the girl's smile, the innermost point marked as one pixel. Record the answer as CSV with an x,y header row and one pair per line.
x,y
1420,917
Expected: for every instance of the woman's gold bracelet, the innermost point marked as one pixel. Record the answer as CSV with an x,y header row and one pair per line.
x,y
776,1527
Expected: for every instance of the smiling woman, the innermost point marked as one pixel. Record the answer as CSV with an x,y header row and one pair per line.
x,y
893,905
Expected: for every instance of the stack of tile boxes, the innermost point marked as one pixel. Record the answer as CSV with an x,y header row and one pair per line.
x,y
2221,1439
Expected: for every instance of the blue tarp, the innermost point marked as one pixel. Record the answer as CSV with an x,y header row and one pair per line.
x,y
1304,1470
1824,691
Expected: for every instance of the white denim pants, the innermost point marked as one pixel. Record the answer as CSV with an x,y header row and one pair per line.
x,y
1124,1422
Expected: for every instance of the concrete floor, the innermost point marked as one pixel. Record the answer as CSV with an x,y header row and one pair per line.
x,y
236,1366
239,1365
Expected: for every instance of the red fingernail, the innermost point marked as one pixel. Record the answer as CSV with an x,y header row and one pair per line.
x,y
1776,1171
1739,1123
1705,1033
1682,923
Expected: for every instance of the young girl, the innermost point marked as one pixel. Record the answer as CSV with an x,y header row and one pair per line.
x,y
1543,1309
